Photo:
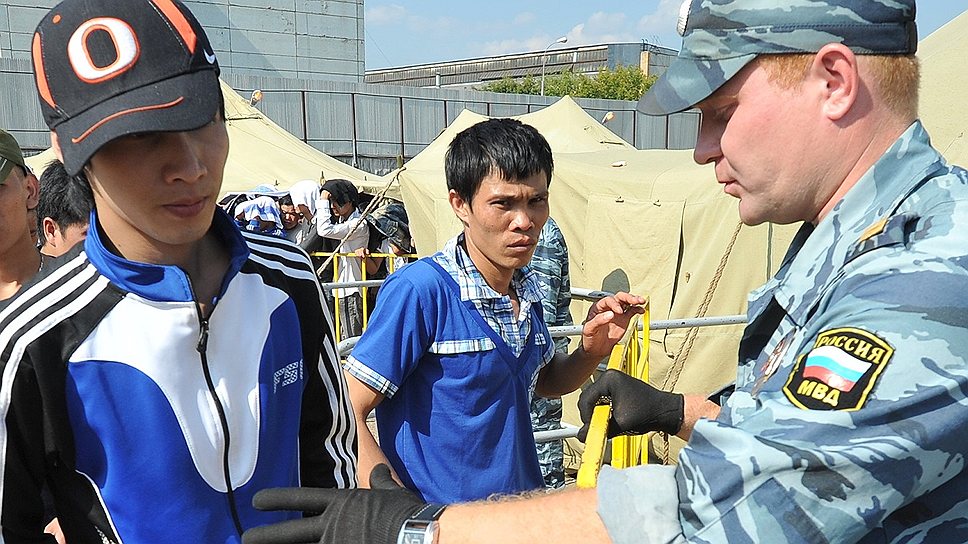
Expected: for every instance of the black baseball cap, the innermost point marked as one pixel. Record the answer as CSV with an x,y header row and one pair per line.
x,y
109,68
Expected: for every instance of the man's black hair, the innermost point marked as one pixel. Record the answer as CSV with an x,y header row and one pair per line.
x,y
66,199
285,200
342,191
506,147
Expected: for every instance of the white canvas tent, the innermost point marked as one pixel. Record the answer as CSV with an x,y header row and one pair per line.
x,y
944,80
263,153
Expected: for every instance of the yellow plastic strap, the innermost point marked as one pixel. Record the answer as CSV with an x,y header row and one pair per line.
x,y
627,451
591,458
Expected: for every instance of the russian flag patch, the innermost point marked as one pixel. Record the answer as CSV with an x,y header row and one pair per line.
x,y
839,372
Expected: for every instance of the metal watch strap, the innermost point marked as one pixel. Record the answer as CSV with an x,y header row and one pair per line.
x,y
421,527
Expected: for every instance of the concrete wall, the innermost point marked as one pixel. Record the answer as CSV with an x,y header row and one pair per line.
x,y
18,18
19,105
305,39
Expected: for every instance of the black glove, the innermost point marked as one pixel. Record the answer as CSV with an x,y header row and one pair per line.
x,y
338,515
637,407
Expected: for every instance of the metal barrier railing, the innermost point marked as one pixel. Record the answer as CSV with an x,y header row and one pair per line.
x,y
346,345
641,330
339,259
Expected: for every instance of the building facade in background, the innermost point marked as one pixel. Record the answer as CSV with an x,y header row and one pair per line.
x,y
305,39
585,59
307,58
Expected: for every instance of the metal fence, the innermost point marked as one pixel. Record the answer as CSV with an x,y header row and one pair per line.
x,y
372,127
369,126
345,346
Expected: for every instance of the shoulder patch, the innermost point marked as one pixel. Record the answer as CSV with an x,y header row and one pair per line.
x,y
890,231
839,372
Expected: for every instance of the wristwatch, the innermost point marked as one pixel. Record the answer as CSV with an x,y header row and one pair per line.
x,y
421,527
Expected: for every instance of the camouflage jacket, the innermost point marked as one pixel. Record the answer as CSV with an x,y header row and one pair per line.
x,y
851,387
550,264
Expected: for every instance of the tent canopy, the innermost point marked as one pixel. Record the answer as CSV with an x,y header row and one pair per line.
x,y
262,152
943,83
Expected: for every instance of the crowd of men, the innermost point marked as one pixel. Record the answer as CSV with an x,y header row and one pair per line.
x,y
173,377
351,229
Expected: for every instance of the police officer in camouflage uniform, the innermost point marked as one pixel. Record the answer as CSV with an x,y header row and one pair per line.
x,y
550,265
848,418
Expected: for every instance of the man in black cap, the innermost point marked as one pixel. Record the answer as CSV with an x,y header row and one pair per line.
x,y
19,259
170,366
851,396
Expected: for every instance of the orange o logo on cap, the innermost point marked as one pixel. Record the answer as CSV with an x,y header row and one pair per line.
x,y
126,49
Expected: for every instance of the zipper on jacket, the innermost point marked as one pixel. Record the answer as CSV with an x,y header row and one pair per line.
x,y
202,348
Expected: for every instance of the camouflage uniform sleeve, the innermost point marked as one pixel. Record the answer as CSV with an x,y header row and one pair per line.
x,y
861,418
639,505
550,264
856,434
563,305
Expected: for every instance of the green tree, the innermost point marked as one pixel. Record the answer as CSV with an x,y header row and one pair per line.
x,y
504,85
622,83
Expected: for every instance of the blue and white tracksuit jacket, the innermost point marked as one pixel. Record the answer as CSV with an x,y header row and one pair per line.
x,y
149,423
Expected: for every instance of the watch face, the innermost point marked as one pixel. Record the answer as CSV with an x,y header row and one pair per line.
x,y
418,532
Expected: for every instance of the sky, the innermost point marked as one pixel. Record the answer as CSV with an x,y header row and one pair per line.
x,y
400,33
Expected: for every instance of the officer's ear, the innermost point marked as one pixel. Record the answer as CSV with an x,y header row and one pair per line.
x,y
834,74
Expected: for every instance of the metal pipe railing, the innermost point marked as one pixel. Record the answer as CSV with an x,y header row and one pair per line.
x,y
566,431
346,345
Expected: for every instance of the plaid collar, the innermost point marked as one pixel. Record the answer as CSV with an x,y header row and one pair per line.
x,y
455,260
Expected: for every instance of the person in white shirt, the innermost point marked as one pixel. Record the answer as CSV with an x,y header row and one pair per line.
x,y
346,225
304,195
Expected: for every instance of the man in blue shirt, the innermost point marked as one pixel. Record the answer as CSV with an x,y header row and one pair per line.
x,y
457,344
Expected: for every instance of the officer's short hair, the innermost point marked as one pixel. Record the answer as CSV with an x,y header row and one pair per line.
x,y
894,79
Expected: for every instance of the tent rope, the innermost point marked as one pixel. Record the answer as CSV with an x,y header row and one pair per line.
x,y
678,364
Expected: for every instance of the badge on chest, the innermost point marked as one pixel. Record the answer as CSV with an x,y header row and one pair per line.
x,y
772,363
839,372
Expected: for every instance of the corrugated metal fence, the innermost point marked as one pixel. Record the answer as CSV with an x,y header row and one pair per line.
x,y
370,126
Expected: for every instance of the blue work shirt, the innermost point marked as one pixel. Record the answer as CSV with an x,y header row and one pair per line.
x,y
455,425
